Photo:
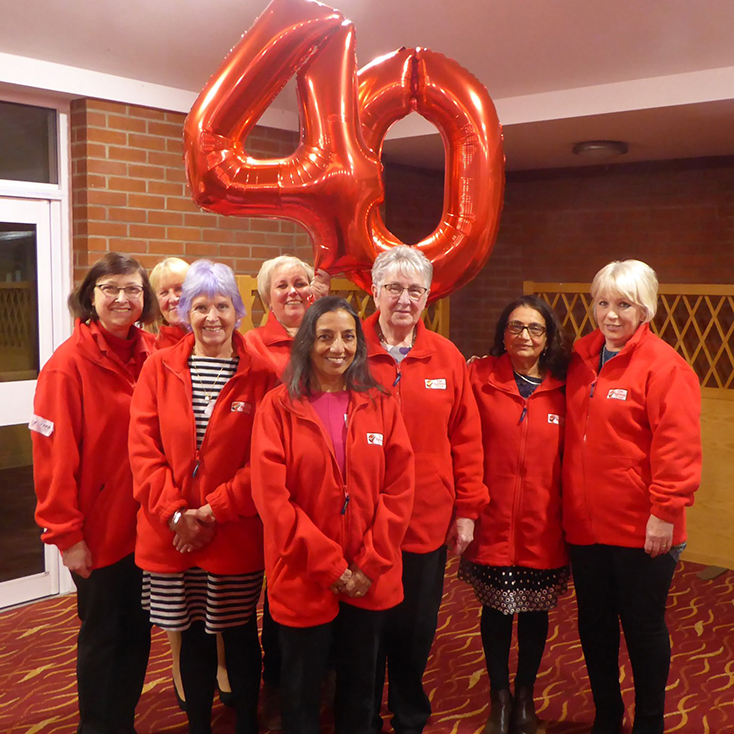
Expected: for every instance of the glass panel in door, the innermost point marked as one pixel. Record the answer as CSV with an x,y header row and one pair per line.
x,y
28,570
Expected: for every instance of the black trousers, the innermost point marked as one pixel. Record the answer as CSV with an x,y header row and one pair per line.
x,y
406,643
112,648
496,630
272,658
355,636
613,585
199,674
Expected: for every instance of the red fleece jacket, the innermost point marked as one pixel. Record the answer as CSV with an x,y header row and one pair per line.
x,y
633,441
317,521
79,431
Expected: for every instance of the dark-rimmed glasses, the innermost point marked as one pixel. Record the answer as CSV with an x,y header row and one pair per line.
x,y
112,291
517,327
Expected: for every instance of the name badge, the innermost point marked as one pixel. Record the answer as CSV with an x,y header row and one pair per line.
x,y
41,425
439,384
617,394
555,419
240,407
375,439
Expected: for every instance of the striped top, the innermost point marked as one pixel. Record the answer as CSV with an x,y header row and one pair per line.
x,y
208,376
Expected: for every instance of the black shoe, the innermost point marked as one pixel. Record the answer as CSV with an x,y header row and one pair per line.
x,y
181,701
500,711
523,719
226,697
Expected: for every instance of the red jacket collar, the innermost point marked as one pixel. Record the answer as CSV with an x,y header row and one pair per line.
x,y
498,372
177,357
421,349
303,408
589,347
91,342
274,333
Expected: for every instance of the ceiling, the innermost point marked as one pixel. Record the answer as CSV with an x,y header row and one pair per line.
x,y
657,74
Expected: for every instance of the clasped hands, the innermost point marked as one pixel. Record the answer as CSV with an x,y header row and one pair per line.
x,y
193,529
352,582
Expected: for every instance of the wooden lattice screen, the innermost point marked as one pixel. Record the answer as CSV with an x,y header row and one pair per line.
x,y
16,315
436,316
696,320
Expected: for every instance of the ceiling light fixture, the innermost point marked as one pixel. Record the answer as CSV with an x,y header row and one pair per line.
x,y
600,149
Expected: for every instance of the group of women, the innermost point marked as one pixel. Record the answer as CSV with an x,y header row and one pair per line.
x,y
341,460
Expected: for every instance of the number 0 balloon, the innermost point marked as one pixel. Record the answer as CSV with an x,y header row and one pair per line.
x,y
332,183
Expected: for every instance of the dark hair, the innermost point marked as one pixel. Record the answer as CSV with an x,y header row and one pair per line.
x,y
113,263
556,354
299,373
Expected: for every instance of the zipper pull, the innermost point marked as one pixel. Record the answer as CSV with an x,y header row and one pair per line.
x,y
346,504
397,379
196,469
524,413
593,387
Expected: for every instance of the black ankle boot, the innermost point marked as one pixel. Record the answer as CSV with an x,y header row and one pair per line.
x,y
523,719
499,712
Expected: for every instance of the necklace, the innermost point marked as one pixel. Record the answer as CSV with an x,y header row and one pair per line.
x,y
527,378
209,407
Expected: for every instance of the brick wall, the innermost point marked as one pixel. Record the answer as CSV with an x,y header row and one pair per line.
x,y
563,225
129,193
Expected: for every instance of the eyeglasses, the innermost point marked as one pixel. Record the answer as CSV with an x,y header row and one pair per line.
x,y
415,292
517,327
112,291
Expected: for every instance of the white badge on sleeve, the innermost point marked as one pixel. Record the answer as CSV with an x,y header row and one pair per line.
x,y
375,439
41,425
617,394
437,384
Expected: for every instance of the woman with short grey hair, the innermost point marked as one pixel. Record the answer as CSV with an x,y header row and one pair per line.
x,y
199,538
631,464
428,375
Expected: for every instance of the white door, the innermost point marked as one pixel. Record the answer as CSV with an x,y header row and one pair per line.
x,y
29,300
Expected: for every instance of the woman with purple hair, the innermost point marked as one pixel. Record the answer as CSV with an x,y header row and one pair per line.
x,y
199,537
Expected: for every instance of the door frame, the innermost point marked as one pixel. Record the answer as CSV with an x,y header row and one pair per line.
x,y
55,280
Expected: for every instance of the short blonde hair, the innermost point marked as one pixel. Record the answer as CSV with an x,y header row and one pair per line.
x,y
169,266
632,279
265,276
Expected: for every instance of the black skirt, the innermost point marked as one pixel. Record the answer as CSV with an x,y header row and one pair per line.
x,y
513,589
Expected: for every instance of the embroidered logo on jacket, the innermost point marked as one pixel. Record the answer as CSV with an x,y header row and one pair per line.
x,y
555,419
438,384
375,439
41,425
240,407
617,394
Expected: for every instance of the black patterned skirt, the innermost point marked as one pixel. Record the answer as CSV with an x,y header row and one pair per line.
x,y
513,589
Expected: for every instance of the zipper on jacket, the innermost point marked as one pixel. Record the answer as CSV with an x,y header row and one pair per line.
x,y
593,387
196,467
346,501
517,500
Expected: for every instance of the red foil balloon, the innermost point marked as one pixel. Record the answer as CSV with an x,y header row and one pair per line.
x,y
332,183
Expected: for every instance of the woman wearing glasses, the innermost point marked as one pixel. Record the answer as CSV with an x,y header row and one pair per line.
x,y
84,484
428,375
517,563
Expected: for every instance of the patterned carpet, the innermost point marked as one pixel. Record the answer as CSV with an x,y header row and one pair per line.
x,y
37,686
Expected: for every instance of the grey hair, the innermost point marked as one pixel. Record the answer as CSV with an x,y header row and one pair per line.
x,y
265,276
632,279
210,279
406,260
